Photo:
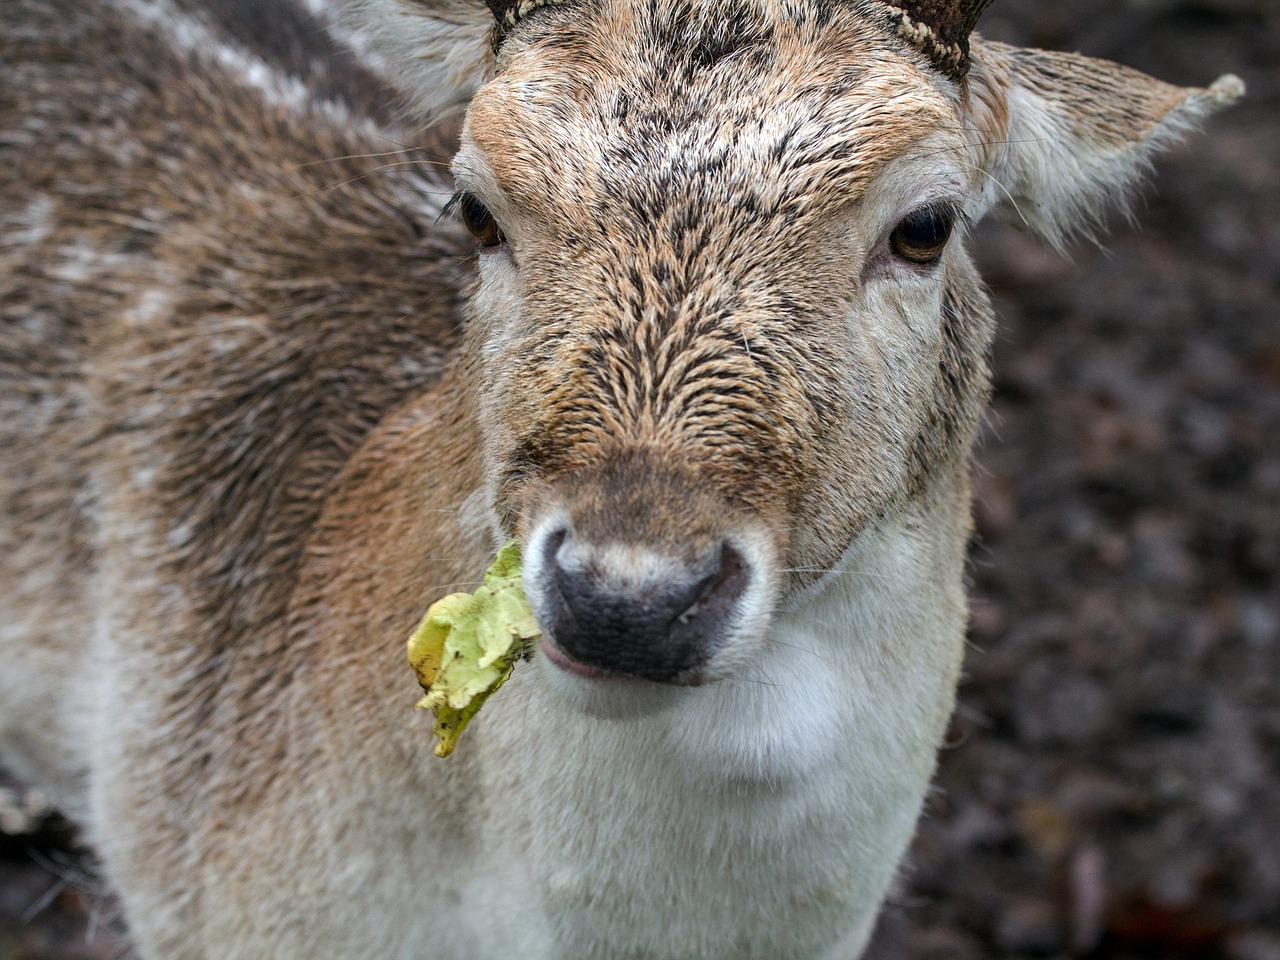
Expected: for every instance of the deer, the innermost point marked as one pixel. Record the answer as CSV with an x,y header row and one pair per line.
x,y
687,314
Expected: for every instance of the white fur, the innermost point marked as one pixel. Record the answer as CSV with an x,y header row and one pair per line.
x,y
30,225
762,814
1053,173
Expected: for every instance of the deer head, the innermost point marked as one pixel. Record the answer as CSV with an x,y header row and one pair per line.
x,y
725,320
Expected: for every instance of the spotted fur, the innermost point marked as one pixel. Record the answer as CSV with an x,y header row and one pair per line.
x,y
261,403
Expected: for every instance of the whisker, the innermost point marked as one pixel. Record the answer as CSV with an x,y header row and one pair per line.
x,y
351,156
368,173
42,903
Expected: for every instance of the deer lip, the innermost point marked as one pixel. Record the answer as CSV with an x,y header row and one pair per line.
x,y
569,665
562,661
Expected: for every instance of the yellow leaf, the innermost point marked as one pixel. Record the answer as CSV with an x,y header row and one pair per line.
x,y
467,646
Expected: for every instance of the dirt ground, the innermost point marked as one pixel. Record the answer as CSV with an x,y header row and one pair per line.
x,y
1111,788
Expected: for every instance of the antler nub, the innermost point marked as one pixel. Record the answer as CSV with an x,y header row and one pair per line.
x,y
940,28
510,12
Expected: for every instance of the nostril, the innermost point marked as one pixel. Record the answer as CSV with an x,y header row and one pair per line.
x,y
721,586
573,584
551,547
717,596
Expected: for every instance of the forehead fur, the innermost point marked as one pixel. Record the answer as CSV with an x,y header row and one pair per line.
x,y
778,107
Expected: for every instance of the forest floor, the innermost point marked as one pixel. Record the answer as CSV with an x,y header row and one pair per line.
x,y
1111,785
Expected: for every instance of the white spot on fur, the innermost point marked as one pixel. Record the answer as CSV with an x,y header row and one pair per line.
x,y
78,262
191,36
152,303
32,224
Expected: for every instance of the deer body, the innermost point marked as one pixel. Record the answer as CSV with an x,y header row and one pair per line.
x,y
712,365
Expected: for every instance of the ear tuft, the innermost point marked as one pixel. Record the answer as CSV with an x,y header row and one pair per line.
x,y
1223,92
1063,138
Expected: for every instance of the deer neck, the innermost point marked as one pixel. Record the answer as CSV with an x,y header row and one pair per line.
x,y
805,774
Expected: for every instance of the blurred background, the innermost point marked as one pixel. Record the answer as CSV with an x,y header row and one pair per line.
x,y
1111,785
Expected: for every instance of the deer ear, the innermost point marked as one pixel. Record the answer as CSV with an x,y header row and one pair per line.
x,y
436,52
1062,137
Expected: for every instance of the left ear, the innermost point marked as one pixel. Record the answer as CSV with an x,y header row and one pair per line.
x,y
1061,137
437,52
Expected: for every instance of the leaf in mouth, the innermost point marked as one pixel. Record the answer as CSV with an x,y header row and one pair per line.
x,y
467,646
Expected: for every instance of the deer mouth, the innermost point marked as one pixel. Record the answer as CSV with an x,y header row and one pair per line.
x,y
566,663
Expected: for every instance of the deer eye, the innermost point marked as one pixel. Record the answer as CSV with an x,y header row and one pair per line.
x,y
922,235
477,218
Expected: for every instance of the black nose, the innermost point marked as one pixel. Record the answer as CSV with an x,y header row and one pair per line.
x,y
661,625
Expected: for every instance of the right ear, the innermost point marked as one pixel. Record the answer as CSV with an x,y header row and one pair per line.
x,y
1062,137
436,52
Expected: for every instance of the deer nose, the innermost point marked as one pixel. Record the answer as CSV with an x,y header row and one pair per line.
x,y
638,613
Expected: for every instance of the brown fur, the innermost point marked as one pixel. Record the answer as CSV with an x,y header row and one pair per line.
x,y
719,340
160,333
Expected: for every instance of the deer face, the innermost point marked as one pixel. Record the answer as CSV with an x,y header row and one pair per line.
x,y
722,322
